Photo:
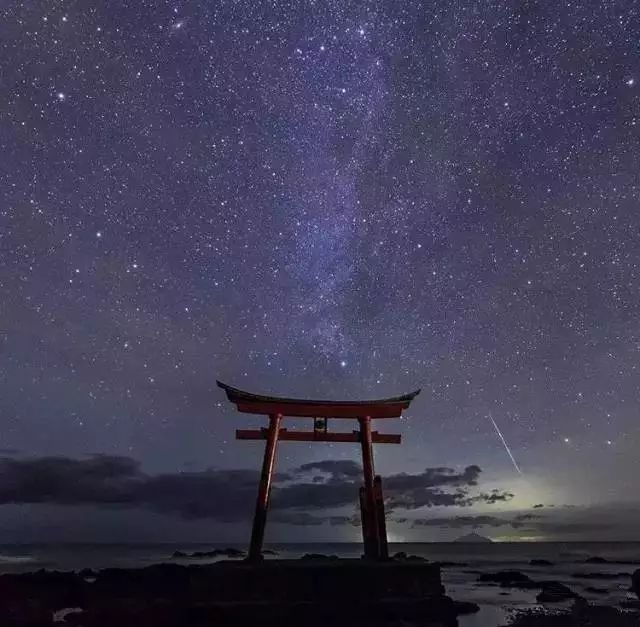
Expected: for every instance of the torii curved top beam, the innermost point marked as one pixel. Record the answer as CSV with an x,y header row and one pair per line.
x,y
257,404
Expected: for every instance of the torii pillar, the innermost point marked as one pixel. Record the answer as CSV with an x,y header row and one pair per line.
x,y
371,499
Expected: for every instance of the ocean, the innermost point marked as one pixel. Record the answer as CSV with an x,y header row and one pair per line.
x,y
568,559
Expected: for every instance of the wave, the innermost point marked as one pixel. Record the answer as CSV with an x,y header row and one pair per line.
x,y
15,559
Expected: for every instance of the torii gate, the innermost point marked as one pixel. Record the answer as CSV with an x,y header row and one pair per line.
x,y
371,501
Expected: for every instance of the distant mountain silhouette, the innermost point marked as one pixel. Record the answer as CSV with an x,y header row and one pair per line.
x,y
473,537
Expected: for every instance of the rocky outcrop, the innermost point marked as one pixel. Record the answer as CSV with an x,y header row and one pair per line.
x,y
312,592
601,575
536,562
228,552
554,592
550,591
465,607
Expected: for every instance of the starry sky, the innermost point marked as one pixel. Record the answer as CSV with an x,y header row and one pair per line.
x,y
327,199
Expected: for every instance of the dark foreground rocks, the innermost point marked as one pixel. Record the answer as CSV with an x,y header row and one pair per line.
x,y
596,560
603,560
554,592
438,612
550,591
318,556
465,607
635,582
230,593
535,562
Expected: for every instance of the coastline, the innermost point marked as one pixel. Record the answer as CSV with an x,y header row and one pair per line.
x,y
597,572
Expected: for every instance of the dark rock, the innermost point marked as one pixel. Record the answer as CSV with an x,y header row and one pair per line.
x,y
86,572
235,593
596,590
553,592
318,556
202,554
231,552
601,575
635,582
540,563
465,607
228,552
450,564
269,552
596,560
403,557
507,578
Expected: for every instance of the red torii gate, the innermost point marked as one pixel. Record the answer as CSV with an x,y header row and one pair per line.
x,y
371,501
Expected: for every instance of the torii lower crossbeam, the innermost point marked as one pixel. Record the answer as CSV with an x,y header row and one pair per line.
x,y
316,436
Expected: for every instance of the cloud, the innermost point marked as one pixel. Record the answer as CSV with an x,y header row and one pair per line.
x,y
305,496
474,522
432,477
106,480
228,495
433,487
527,516
335,468
495,496
298,518
457,522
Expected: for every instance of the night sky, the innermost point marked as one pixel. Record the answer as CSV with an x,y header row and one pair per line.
x,y
327,199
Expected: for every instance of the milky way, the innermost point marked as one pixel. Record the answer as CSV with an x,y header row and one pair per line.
x,y
332,199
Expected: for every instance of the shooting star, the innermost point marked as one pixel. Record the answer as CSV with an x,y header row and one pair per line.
x,y
506,446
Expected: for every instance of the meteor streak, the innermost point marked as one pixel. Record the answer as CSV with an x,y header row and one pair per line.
x,y
506,446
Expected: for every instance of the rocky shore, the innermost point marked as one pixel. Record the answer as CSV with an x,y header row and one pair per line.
x,y
314,591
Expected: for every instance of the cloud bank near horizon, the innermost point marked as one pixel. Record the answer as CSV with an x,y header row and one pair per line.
x,y
314,494
304,495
